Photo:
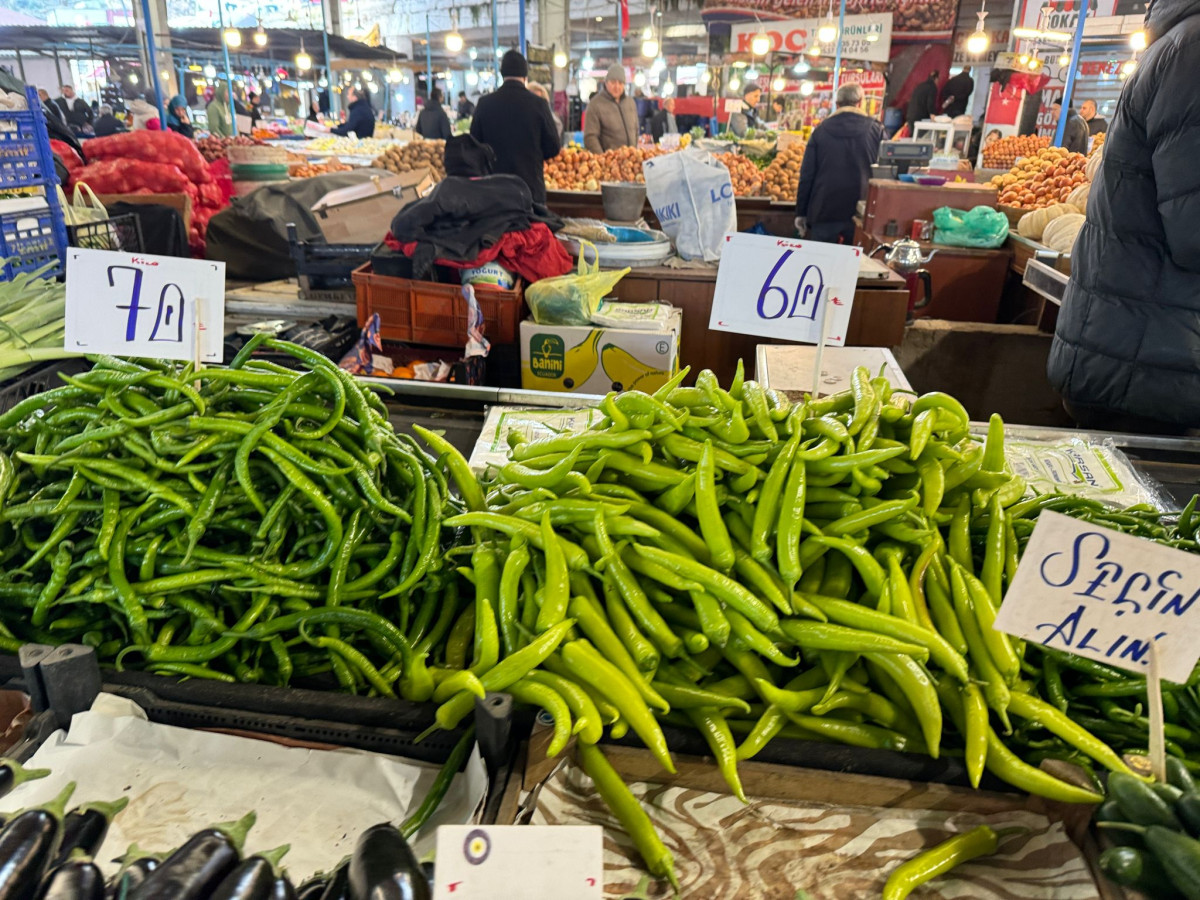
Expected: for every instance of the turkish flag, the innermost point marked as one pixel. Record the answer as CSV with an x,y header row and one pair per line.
x,y
624,18
1003,106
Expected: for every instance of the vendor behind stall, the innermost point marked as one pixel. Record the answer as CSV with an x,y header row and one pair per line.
x,y
1096,124
360,116
922,104
663,121
1126,346
837,164
518,126
611,119
747,117
1075,136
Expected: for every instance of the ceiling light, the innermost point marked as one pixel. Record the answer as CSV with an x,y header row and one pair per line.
x,y
752,74
210,71
323,82
649,43
979,40
1137,40
472,77
760,44
639,79
1034,64
587,62
778,84
472,53
1065,59
303,60
1023,59
806,88
658,65
233,37
560,60
1129,66
260,36
133,79
800,67
367,76
668,88
734,84
828,31
394,76
454,42
872,37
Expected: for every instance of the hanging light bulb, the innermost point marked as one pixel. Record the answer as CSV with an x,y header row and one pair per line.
x,y
760,44
303,60
778,84
1137,40
472,77
472,53
260,36
394,75
668,88
1065,59
639,78
800,67
133,78
752,74
233,37
560,60
806,88
649,43
815,50
873,37
368,77
587,62
1034,64
210,71
658,66
1023,59
1128,68
323,82
454,42
734,84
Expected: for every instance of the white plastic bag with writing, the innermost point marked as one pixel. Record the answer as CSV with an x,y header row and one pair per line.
x,y
692,195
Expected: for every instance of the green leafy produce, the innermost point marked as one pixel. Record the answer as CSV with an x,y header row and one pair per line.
x,y
31,321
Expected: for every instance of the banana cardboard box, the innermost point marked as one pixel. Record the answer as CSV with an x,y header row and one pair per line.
x,y
588,359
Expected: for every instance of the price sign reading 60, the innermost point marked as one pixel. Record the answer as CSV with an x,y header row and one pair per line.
x,y
785,289
130,304
773,299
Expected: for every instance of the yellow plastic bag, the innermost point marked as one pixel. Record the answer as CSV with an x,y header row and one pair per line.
x,y
572,299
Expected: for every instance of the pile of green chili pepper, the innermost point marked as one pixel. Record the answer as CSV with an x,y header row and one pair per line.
x,y
248,523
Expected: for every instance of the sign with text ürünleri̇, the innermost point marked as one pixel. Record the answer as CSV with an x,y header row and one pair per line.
x,y
135,304
789,289
1106,595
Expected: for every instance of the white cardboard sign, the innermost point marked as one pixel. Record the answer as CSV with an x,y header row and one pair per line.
x,y
135,304
773,286
1106,595
519,862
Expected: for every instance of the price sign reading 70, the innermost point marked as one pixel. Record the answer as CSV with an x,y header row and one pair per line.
x,y
140,305
791,278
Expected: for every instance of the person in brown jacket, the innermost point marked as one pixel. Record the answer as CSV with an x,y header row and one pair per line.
x,y
612,119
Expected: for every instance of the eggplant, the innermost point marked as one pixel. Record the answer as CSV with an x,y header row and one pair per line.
x,y
252,879
194,870
384,867
12,773
312,889
76,879
28,844
85,826
132,876
338,885
283,889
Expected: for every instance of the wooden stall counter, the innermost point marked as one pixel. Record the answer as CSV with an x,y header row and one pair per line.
x,y
876,319
776,217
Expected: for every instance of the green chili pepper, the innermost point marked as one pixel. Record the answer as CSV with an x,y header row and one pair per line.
x,y
979,841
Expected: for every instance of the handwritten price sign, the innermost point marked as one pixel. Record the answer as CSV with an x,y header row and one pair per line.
x,y
1106,595
774,287
140,305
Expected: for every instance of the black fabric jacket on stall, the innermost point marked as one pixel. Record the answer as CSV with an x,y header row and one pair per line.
x,y
1128,334
837,164
516,123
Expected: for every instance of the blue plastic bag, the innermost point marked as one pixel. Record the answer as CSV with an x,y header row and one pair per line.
x,y
982,227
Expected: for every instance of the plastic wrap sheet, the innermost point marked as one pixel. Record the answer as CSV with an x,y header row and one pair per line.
x,y
179,780
783,850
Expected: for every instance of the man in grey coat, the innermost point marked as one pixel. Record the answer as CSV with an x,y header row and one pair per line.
x,y
611,119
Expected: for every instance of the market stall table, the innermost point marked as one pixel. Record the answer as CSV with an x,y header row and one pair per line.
x,y
776,217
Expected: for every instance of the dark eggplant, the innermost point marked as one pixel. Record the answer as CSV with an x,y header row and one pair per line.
x,y
28,844
313,888
85,826
12,773
194,870
384,867
338,885
283,889
132,876
76,879
252,879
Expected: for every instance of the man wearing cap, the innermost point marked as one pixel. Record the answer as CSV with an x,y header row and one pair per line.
x,y
747,117
518,126
612,119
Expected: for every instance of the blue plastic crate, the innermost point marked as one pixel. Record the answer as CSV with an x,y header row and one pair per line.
x,y
20,161
29,240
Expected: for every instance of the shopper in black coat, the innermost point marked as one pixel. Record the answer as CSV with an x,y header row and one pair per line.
x,y
432,122
922,104
837,164
1075,135
1128,338
518,126
360,117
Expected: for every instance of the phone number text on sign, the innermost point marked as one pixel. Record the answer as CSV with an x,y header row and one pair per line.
x,y
1106,595
774,287
142,305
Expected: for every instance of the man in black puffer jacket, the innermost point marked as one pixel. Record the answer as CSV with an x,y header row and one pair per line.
x,y
1126,352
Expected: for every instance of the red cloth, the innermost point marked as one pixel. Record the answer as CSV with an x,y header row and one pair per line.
x,y
533,254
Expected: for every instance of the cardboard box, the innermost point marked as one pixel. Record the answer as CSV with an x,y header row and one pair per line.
x,y
790,368
592,360
491,449
363,213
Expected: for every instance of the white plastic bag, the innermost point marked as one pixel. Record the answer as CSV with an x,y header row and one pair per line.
x,y
692,195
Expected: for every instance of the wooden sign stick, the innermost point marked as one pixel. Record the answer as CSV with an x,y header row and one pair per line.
x,y
1158,750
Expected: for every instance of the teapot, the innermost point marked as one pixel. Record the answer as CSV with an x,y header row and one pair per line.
x,y
904,255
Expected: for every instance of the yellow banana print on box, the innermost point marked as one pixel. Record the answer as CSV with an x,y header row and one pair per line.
x,y
627,372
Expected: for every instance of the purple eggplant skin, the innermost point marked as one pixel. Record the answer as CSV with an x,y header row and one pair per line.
x,y
27,845
77,879
311,889
283,889
193,871
338,885
132,876
253,879
384,867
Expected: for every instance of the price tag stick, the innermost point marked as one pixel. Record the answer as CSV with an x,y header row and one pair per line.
x,y
822,334
196,360
1158,749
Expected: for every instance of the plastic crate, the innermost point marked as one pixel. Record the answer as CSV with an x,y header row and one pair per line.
x,y
325,267
38,378
117,233
424,312
36,237
29,240
20,163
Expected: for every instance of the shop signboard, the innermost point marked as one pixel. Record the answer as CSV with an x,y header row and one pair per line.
x,y
1105,595
792,290
137,304
864,37
911,21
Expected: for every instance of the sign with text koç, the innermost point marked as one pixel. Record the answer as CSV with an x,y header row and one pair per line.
x,y
866,37
135,304
1106,595
785,289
